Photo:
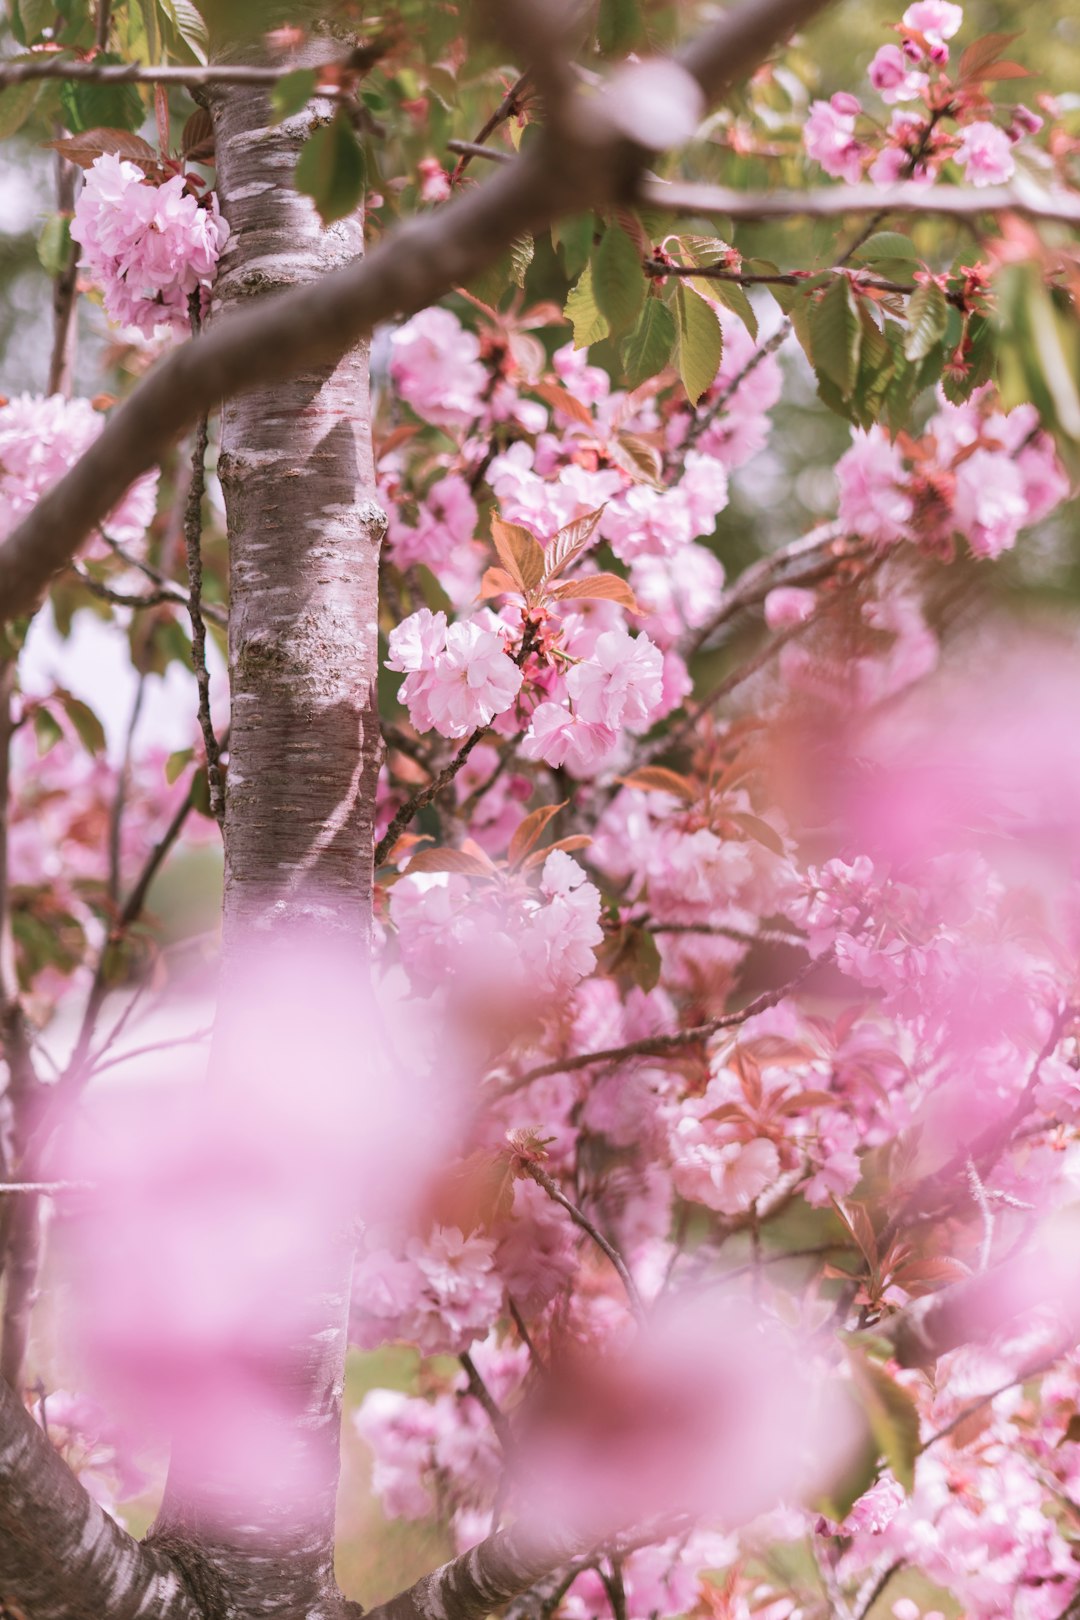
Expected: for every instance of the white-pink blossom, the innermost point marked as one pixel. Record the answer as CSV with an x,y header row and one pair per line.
x,y
788,605
829,138
459,676
436,367
985,154
620,684
40,439
723,1175
558,737
873,501
936,20
893,77
149,247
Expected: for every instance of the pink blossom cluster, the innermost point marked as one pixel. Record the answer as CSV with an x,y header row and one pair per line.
x,y
977,471
453,931
149,247
846,144
40,440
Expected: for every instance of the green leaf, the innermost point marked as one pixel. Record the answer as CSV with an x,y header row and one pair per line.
x,y
701,343
590,326
574,239
620,25
648,348
36,15
93,106
331,168
928,316
292,93
47,730
892,1415
177,763
88,728
200,793
836,336
16,104
522,249
618,280
54,244
490,285
149,10
188,25
733,297
884,245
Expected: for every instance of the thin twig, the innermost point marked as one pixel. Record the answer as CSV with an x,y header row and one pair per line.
x,y
660,1045
480,1392
579,1218
474,149
116,813
657,269
171,590
878,1587
507,108
98,1066
193,546
101,26
62,358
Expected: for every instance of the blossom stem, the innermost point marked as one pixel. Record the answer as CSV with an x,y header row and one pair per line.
x,y
579,1218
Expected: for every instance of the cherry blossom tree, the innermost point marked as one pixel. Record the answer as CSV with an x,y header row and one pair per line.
x,y
644,1047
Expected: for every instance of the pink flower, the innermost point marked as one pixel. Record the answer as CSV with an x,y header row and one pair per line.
x,y
936,20
436,367
559,942
829,138
985,154
728,1176
876,1508
892,76
459,677
148,246
989,508
434,180
559,737
40,439
620,684
871,475
788,605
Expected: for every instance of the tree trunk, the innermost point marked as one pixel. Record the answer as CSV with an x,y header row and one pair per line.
x,y
304,529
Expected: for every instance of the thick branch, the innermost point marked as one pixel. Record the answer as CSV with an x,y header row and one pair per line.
x,y
836,202
483,1579
51,67
314,325
61,1556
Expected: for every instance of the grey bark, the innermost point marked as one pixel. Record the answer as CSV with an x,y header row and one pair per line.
x,y
305,528
61,1556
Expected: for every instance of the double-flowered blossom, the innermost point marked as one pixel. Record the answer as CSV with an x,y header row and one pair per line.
x,y
458,676
453,932
40,439
149,247
440,1294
